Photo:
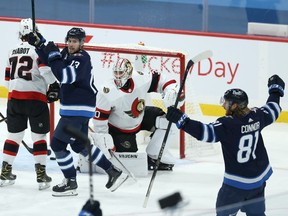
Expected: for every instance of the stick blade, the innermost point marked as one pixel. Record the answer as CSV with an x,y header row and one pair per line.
x,y
203,55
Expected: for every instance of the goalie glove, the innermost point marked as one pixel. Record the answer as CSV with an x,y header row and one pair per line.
x,y
53,92
171,95
104,142
276,85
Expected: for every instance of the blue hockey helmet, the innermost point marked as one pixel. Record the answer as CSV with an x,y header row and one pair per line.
x,y
78,33
237,96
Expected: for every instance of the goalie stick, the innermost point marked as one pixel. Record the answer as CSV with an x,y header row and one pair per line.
x,y
201,56
30,150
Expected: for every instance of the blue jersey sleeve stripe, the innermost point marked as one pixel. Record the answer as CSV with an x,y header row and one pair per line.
x,y
208,133
273,109
68,75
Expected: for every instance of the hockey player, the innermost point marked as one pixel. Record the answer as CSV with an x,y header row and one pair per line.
x,y
246,161
27,79
121,112
72,67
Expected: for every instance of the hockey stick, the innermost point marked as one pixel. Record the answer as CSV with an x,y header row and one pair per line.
x,y
33,14
123,166
30,150
83,138
201,56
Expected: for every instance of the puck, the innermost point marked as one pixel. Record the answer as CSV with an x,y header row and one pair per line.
x,y
52,158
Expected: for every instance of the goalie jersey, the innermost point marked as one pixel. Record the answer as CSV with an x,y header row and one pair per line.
x,y
246,161
124,108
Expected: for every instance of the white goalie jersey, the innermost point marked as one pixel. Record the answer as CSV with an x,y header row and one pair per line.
x,y
123,108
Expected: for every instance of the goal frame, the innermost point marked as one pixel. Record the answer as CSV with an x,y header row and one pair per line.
x,y
135,51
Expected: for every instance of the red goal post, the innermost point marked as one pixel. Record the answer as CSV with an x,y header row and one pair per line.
x,y
105,55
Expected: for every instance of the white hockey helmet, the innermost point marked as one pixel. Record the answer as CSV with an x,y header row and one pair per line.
x,y
26,26
122,71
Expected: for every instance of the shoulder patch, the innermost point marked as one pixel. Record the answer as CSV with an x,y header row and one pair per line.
x,y
106,90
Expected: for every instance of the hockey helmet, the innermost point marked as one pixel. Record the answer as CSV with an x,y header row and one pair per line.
x,y
78,33
26,26
237,96
122,71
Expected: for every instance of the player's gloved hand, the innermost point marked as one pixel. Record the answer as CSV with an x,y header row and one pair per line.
x,y
53,51
91,209
276,85
53,92
37,40
105,143
176,116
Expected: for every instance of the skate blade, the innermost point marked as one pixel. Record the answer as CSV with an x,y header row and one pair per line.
x,y
65,194
122,178
43,185
4,183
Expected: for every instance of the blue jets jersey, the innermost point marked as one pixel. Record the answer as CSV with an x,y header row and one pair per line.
x,y
246,161
77,93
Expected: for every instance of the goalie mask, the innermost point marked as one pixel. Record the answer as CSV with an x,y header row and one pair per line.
x,y
78,33
122,71
26,26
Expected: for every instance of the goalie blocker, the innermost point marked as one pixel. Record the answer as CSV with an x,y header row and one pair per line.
x,y
134,162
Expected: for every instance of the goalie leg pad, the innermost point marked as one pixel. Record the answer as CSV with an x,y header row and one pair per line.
x,y
155,144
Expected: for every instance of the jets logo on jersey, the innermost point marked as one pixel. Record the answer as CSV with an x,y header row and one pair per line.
x,y
137,108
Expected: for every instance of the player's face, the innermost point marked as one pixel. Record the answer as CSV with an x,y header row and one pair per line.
x,y
226,105
73,45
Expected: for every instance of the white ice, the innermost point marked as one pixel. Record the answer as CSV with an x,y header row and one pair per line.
x,y
197,180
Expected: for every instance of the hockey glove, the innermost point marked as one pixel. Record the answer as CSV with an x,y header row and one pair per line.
x,y
176,116
170,97
91,209
37,40
53,51
53,92
276,85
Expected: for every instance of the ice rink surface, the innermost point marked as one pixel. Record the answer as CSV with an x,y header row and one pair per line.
x,y
197,179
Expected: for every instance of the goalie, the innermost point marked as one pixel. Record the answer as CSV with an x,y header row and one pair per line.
x,y
121,112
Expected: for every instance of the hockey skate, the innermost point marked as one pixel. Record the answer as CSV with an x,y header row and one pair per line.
x,y
66,188
7,178
162,166
42,178
116,178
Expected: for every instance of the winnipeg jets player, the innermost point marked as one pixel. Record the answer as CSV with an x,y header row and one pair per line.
x,y
247,166
72,67
121,112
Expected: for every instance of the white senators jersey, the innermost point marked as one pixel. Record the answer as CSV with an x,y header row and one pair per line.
x,y
27,77
124,108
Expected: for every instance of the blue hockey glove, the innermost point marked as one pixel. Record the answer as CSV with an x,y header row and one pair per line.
x,y
53,51
91,209
53,92
37,40
176,116
276,85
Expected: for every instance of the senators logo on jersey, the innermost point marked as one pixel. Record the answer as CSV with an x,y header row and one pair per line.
x,y
137,108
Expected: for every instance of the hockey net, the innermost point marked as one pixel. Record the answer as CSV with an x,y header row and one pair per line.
x,y
172,63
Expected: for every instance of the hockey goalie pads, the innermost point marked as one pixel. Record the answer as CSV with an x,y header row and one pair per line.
x,y
105,142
